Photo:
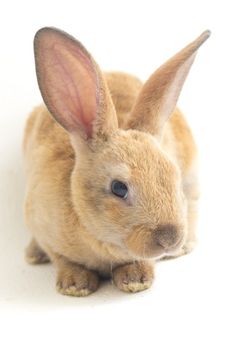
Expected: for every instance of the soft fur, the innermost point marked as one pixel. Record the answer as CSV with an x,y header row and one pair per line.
x,y
110,127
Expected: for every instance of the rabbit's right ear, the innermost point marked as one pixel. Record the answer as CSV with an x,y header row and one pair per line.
x,y
158,97
72,85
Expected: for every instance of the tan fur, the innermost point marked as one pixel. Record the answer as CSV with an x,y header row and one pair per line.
x,y
134,277
66,211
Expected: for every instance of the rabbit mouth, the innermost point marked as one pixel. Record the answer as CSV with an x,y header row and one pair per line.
x,y
175,249
159,252
150,254
144,251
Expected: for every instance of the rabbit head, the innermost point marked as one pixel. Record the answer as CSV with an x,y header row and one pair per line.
x,y
125,189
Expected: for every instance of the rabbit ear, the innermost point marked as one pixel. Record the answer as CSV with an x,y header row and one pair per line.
x,y
72,85
159,95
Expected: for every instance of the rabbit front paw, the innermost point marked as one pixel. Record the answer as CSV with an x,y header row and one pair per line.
x,y
134,277
75,280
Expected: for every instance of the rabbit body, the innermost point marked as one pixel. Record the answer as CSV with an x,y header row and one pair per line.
x,y
50,161
74,221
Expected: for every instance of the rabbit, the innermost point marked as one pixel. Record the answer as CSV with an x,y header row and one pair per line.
x,y
111,168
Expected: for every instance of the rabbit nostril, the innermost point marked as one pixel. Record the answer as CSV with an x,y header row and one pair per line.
x,y
166,235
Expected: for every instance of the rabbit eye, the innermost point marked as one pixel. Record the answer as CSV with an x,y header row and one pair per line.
x,y
119,189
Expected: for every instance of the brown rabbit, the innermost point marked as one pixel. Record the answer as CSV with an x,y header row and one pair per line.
x,y
112,181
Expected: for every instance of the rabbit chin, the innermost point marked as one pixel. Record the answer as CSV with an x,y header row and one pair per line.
x,y
147,253
155,254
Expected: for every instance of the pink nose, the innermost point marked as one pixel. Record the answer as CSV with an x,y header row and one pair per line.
x,y
167,235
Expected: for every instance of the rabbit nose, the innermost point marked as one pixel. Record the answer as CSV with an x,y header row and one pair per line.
x,y
167,235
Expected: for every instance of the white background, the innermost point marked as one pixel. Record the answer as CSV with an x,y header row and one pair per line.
x,y
191,307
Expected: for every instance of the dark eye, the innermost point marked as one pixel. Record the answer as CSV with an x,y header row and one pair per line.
x,y
119,189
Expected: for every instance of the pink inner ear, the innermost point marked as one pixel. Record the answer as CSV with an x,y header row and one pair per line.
x,y
68,81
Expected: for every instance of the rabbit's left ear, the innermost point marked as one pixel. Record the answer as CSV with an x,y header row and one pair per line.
x,y
72,85
158,97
